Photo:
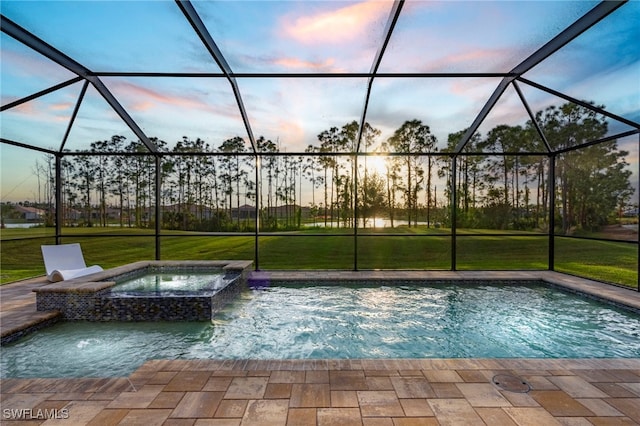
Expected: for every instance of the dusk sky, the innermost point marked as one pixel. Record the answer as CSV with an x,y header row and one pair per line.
x,y
602,65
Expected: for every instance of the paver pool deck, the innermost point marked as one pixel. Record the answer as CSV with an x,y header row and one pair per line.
x,y
333,392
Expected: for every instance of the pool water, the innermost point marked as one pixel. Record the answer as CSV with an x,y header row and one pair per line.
x,y
171,283
313,322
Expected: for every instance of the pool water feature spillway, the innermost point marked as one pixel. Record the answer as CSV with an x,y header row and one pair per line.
x,y
170,305
98,297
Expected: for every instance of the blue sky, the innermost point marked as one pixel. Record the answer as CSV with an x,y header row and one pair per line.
x,y
602,65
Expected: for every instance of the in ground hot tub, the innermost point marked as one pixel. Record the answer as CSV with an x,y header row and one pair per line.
x,y
148,291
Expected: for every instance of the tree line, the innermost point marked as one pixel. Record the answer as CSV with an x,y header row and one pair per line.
x,y
214,188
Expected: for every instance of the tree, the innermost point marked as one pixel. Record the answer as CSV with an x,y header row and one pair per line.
x,y
231,170
413,138
329,142
590,181
372,197
269,163
502,199
369,136
469,182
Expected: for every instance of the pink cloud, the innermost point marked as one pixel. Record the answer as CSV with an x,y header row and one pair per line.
x,y
144,99
32,64
62,106
295,63
468,60
142,106
26,108
41,112
335,26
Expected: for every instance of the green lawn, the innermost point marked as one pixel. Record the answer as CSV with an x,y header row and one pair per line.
x,y
607,261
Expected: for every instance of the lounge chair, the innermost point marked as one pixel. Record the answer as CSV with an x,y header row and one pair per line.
x,y
65,261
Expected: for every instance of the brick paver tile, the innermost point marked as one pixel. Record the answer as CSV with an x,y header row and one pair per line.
x,y
278,390
377,421
187,381
446,390
145,417
162,377
108,417
378,383
267,412
495,416
347,380
51,405
287,377
408,373
344,399
610,421
378,373
140,399
482,395
247,388
316,376
310,395
443,376
118,384
626,375
454,412
166,400
339,417
217,384
19,401
416,407
99,396
379,403
217,422
178,422
472,376
231,408
633,387
615,390
197,404
577,387
597,376
558,403
599,407
412,387
629,406
525,416
520,399
574,421
539,382
415,421
301,417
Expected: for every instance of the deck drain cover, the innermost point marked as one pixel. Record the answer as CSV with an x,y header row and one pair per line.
x,y
511,383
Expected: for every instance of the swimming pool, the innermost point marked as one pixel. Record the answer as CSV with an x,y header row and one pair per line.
x,y
315,322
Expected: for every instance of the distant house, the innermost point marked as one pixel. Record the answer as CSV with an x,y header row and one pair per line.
x,y
30,213
245,211
289,210
197,210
